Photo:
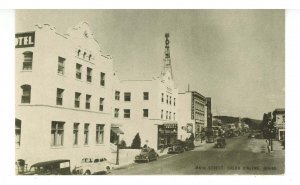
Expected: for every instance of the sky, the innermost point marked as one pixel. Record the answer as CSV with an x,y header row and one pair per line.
x,y
236,57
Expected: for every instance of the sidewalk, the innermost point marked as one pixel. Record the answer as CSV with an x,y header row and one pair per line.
x,y
277,146
126,157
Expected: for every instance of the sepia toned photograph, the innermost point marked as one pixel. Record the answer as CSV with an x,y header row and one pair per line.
x,y
149,92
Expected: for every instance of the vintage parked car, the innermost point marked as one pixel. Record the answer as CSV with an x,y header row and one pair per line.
x,y
259,136
251,135
189,145
177,146
54,167
91,166
210,139
147,154
221,142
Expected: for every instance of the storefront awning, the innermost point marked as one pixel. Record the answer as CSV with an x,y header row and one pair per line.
x,y
117,130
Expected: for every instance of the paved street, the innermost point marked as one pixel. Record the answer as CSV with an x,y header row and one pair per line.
x,y
241,156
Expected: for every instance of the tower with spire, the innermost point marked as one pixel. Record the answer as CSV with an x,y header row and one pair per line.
x,y
167,60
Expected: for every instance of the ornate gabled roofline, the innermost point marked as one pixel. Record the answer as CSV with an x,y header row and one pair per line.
x,y
52,28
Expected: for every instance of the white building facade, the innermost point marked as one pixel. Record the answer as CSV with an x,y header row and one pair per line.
x,y
148,107
63,95
193,114
279,123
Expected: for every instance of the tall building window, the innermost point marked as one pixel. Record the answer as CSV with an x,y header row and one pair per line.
x,y
146,95
116,112
57,133
18,132
59,96
26,93
78,71
88,101
77,99
117,95
61,65
174,116
102,79
167,114
162,114
27,63
89,74
170,100
86,133
101,104
167,99
170,113
145,113
127,96
126,113
75,133
174,101
99,134
162,97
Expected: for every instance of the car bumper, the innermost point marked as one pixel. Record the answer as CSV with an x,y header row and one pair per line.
x,y
141,160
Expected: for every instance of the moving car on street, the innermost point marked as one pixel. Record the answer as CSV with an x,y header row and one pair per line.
x,y
221,142
176,147
259,136
189,145
251,135
147,154
210,139
54,167
91,166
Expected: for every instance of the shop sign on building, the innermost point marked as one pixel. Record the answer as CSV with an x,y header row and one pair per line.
x,y
24,40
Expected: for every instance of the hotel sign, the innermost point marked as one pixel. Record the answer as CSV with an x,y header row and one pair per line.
x,y
24,40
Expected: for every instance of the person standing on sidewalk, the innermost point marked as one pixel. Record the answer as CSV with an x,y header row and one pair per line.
x,y
268,145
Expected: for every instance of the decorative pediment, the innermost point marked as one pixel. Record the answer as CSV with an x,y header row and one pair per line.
x,y
81,31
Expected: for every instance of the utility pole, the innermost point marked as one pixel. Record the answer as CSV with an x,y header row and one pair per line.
x,y
117,160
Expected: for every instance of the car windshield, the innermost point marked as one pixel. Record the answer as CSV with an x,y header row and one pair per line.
x,y
35,169
87,160
144,150
177,142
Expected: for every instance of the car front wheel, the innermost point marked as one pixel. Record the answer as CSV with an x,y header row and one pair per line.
x,y
107,169
87,172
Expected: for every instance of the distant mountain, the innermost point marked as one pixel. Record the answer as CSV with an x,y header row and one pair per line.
x,y
252,123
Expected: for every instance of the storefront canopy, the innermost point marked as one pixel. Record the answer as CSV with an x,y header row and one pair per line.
x,y
117,130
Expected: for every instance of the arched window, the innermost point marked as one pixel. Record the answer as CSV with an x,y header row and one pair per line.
x,y
27,63
78,52
90,56
84,54
26,93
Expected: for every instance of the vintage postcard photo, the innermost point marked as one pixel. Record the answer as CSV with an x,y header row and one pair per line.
x,y
149,92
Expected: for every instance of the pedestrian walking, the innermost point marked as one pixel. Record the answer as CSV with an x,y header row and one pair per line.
x,y
268,145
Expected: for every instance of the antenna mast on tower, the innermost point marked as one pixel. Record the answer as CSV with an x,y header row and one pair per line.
x,y
167,60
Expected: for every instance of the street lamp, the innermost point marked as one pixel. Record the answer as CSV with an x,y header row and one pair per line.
x,y
117,160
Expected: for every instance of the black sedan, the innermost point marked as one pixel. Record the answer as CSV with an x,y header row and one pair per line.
x,y
177,147
147,154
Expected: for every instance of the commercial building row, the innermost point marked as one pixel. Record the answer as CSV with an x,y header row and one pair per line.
x,y
71,104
